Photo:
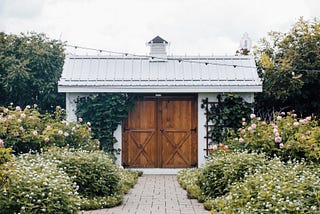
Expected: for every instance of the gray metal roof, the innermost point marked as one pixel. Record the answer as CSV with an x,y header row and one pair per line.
x,y
175,75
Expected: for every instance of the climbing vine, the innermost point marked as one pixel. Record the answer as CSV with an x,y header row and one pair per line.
x,y
105,111
226,114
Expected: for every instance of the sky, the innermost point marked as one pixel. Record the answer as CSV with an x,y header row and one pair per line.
x,y
193,27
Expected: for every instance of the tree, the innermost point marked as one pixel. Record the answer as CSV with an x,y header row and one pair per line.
x,y
30,67
289,65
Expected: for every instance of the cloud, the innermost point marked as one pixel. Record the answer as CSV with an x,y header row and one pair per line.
x,y
21,9
192,26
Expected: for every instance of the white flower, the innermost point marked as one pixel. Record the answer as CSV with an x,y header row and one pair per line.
x,y
252,116
80,119
88,123
35,133
46,139
1,143
66,134
60,132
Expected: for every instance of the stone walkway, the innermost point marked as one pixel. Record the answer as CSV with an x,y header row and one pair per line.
x,y
156,194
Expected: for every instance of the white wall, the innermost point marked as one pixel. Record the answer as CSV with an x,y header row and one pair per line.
x,y
71,105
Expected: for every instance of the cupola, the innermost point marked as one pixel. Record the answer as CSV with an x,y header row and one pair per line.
x,y
158,49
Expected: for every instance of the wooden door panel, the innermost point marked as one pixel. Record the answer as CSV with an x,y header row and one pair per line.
x,y
140,136
176,133
161,133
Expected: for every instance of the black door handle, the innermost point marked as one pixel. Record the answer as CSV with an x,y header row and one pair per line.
x,y
161,130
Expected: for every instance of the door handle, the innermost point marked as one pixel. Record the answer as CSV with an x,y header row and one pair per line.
x,y
161,130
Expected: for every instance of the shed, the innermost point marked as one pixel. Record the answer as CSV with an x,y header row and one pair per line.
x,y
166,130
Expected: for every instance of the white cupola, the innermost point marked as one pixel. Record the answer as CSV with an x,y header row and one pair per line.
x,y
245,42
158,49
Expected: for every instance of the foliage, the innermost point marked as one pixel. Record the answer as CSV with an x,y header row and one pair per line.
x,y
128,178
223,169
286,136
289,65
227,113
30,67
94,172
188,180
101,183
39,186
28,129
6,163
276,188
105,112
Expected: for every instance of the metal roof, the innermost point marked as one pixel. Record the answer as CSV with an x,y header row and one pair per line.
x,y
175,75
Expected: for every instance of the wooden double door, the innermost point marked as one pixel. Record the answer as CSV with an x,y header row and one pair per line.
x,y
161,132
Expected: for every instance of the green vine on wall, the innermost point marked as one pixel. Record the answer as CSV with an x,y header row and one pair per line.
x,y
105,111
226,114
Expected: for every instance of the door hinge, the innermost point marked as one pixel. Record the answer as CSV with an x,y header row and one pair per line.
x,y
125,165
126,129
193,130
194,165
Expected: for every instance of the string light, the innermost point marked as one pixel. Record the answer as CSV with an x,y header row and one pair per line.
x,y
160,58
178,59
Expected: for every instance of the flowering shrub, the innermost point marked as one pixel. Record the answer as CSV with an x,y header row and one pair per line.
x,y
223,169
94,172
287,137
101,182
188,180
5,165
27,129
277,188
37,185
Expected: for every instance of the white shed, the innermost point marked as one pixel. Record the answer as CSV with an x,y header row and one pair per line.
x,y
166,130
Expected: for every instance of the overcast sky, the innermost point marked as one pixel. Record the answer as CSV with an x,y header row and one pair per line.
x,y
191,26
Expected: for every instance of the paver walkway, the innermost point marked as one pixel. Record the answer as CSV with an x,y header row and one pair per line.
x,y
156,194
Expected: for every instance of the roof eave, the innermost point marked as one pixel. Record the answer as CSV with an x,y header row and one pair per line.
x,y
155,89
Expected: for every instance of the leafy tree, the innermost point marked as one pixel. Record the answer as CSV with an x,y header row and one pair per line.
x,y
289,65
30,67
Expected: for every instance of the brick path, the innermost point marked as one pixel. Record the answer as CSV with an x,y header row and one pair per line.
x,y
156,194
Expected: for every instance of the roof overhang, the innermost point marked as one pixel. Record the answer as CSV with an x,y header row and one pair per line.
x,y
159,89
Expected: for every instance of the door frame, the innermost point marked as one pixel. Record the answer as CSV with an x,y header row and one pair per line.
x,y
174,97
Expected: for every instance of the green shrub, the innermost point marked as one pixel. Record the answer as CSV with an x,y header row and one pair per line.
x,y
37,185
27,129
94,172
188,180
128,178
277,188
101,182
5,165
287,137
223,169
